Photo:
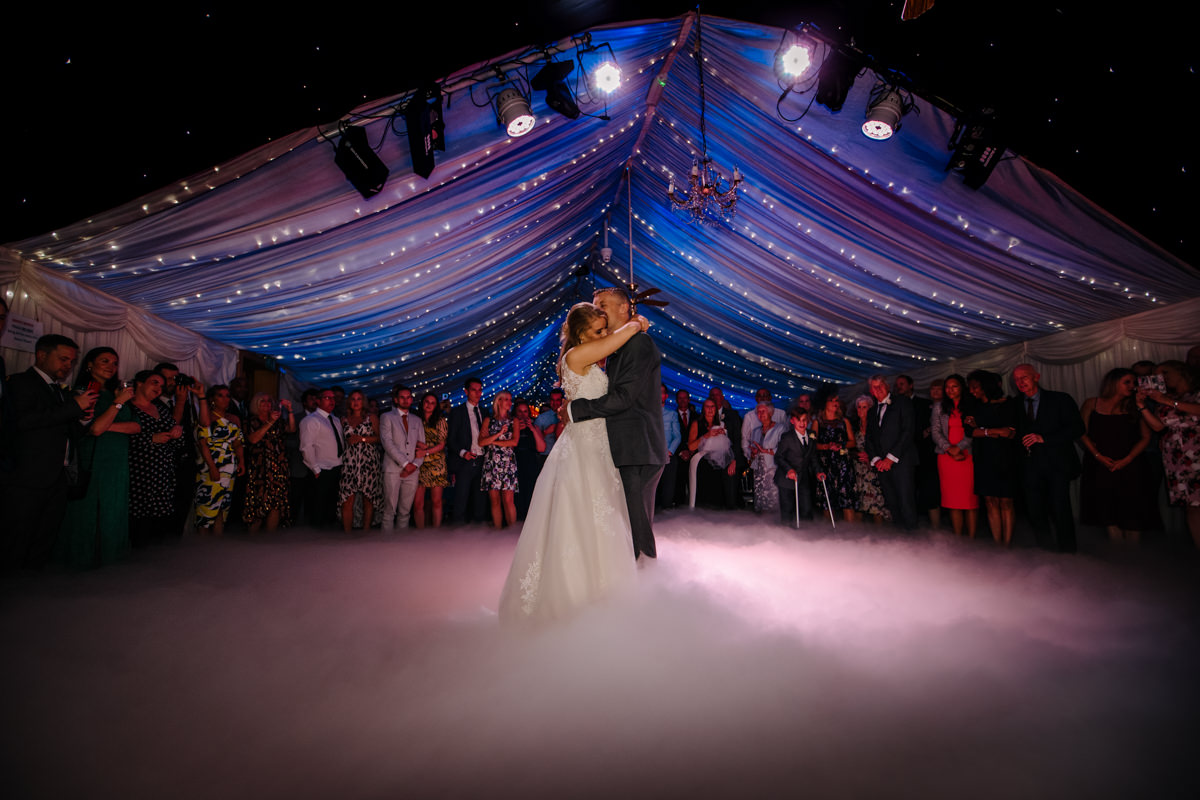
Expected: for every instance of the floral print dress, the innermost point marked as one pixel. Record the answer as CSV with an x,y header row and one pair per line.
x,y
267,474
838,465
499,463
1180,445
360,464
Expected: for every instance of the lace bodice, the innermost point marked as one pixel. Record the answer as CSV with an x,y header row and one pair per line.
x,y
591,384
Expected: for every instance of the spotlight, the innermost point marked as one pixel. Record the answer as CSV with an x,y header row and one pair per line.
x,y
552,79
887,105
797,59
600,66
512,112
358,161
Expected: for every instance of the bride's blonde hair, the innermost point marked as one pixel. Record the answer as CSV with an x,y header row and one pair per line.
x,y
579,318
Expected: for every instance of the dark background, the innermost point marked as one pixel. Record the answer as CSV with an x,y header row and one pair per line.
x,y
105,104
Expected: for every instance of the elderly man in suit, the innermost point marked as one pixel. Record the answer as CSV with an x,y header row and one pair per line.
x,y
892,450
1048,425
464,456
400,433
41,419
795,467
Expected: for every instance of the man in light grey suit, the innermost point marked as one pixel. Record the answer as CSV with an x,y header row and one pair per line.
x,y
400,433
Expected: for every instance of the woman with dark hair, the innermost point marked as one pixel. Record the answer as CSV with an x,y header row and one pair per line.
x,y
152,459
433,475
576,544
1114,488
219,440
1178,419
995,451
712,464
95,528
952,443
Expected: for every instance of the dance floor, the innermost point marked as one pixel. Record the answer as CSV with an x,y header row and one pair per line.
x,y
751,661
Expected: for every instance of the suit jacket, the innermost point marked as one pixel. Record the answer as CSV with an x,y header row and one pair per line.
x,y
791,454
1059,424
939,429
684,427
38,425
400,447
632,408
895,436
458,435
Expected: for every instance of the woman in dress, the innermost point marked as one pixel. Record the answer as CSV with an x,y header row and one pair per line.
x,y
867,491
1178,417
1114,488
219,442
152,453
268,475
835,447
712,465
764,439
95,528
576,544
952,443
498,435
995,451
433,475
360,462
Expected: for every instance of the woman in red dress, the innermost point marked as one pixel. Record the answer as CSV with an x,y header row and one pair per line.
x,y
952,442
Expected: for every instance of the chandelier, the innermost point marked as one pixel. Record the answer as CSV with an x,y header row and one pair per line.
x,y
710,198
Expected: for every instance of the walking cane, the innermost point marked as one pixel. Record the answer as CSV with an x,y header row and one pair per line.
x,y
828,504
796,483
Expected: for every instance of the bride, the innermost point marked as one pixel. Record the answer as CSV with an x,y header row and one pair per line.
x,y
576,543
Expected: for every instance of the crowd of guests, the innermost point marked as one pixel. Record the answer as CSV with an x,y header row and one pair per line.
x,y
104,465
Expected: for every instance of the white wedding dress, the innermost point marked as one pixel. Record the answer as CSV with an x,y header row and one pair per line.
x,y
576,545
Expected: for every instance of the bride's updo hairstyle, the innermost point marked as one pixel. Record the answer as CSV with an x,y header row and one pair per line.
x,y
579,319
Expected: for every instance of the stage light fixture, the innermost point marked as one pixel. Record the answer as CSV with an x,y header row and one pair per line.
x,y
600,67
426,129
354,156
513,112
797,59
977,148
552,79
835,80
884,111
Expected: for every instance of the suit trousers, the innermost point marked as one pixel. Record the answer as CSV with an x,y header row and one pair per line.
x,y
398,496
468,499
1048,503
34,516
900,494
640,482
788,499
322,498
665,493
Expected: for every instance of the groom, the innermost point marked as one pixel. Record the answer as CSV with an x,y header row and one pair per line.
x,y
633,412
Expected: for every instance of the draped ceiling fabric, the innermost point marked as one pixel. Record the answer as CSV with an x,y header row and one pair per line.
x,y
847,256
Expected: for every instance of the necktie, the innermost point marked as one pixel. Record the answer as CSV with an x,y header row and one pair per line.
x,y
404,421
1029,410
804,441
337,434
478,418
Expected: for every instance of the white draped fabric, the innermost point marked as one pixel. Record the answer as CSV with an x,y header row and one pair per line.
x,y
846,257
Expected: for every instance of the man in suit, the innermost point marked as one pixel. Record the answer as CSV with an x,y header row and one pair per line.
x,y
464,456
632,410
892,450
400,434
686,413
665,494
41,420
321,447
928,484
795,467
1048,425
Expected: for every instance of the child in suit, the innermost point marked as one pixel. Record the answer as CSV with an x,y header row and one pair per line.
x,y
795,466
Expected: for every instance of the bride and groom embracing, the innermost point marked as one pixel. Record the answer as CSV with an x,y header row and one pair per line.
x,y
591,511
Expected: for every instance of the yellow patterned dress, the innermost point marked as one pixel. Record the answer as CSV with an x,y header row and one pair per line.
x,y
213,497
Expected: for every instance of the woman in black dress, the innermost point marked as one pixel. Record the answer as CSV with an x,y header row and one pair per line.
x,y
151,461
995,451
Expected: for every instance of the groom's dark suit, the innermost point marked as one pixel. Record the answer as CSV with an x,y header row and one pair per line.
x,y
632,410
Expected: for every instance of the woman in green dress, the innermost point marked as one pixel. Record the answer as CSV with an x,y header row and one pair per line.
x,y
95,528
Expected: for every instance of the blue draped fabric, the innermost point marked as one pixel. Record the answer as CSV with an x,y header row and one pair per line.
x,y
846,257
